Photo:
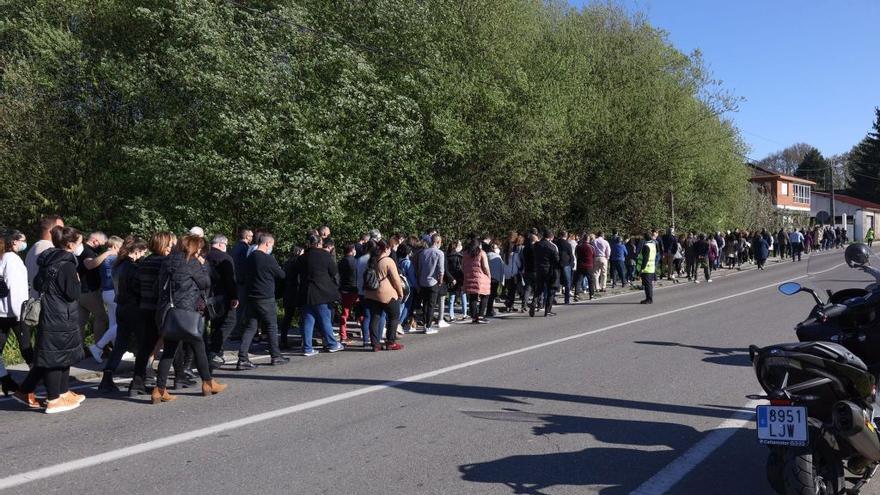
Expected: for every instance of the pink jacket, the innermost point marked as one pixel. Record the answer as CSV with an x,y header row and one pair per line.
x,y
476,274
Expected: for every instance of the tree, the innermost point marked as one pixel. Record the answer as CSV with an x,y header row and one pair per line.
x,y
863,166
786,161
816,168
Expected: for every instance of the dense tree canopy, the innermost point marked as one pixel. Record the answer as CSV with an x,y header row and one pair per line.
x,y
136,115
864,164
815,167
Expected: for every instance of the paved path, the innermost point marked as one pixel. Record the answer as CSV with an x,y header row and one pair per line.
x,y
610,397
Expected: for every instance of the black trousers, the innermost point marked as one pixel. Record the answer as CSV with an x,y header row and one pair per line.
x,y
392,319
478,304
511,286
147,339
128,324
221,328
544,286
290,308
22,333
528,289
579,276
430,301
171,349
493,293
55,380
648,285
262,312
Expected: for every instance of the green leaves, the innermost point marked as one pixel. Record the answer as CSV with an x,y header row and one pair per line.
x,y
393,114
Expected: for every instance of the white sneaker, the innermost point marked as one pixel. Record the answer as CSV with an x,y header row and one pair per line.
x,y
399,329
310,353
96,353
431,331
128,356
61,404
443,324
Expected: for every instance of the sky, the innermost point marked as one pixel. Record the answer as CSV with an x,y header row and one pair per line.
x,y
808,69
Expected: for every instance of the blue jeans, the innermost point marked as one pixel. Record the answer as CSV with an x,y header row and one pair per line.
x,y
321,315
405,309
566,283
464,305
368,318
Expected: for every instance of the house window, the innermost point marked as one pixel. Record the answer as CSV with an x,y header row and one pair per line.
x,y
801,193
783,188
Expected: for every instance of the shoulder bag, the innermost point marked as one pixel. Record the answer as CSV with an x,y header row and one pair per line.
x,y
179,324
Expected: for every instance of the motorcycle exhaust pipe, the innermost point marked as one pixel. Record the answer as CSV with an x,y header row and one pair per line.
x,y
857,428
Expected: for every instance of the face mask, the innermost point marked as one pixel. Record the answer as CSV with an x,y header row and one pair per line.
x,y
496,251
22,247
78,251
458,249
269,251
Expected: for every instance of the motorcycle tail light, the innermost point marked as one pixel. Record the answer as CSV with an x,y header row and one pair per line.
x,y
781,402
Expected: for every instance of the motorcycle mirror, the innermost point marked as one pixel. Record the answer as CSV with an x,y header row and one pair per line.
x,y
790,288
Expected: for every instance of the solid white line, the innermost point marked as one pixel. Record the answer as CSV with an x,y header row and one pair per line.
x,y
113,455
669,476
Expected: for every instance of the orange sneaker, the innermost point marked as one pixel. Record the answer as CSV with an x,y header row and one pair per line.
x,y
70,394
61,404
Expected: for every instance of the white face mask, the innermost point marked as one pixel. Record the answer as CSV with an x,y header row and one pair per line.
x,y
78,251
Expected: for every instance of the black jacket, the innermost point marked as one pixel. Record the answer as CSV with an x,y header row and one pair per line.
x,y
347,268
454,270
128,290
291,282
262,272
546,257
528,257
186,281
317,278
566,255
148,280
223,280
239,257
59,343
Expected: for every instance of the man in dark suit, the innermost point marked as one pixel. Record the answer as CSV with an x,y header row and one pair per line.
x,y
319,289
566,263
262,272
546,256
224,298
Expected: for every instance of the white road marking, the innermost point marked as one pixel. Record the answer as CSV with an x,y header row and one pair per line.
x,y
669,476
114,455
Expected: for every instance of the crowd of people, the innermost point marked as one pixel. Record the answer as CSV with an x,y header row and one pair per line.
x,y
181,300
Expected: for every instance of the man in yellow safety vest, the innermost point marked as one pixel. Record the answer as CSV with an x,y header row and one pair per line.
x,y
646,264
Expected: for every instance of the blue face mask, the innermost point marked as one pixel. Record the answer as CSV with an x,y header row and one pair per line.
x,y
269,251
22,247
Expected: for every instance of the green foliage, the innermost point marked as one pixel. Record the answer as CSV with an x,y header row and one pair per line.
x,y
815,167
864,164
134,116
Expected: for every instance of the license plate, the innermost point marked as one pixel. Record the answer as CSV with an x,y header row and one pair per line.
x,y
782,425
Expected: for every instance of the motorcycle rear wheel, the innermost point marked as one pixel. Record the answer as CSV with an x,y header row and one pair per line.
x,y
810,471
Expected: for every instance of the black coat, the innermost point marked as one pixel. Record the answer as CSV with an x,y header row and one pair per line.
x,y
317,278
291,283
59,343
148,280
187,280
546,256
223,281
128,289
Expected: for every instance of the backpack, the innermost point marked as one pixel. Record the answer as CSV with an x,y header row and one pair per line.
x,y
372,280
4,288
31,309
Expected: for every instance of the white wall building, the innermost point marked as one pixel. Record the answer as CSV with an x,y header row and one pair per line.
x,y
856,214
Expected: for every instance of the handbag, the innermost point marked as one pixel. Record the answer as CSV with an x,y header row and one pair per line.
x,y
31,309
179,324
4,288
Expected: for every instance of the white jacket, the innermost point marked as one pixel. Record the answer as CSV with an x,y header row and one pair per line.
x,y
13,271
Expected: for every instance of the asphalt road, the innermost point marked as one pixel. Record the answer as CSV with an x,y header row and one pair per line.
x,y
607,397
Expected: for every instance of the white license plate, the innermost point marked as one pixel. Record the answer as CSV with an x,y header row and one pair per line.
x,y
782,425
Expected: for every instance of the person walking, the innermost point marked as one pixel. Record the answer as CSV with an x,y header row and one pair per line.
x,y
477,279
108,295
47,223
603,253
59,342
13,274
496,271
585,254
89,268
546,256
407,270
796,241
669,244
290,298
348,290
262,274
223,302
646,267
384,297
430,269
128,319
762,250
319,289
566,265
512,270
701,258
184,281
869,237
161,245
618,262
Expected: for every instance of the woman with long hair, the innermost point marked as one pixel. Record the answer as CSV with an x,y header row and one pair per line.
x,y
385,298
14,275
128,321
477,281
59,343
185,277
455,279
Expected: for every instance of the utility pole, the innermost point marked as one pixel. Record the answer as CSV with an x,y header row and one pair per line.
x,y
831,183
672,207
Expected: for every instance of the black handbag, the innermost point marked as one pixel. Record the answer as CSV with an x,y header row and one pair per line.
x,y
178,324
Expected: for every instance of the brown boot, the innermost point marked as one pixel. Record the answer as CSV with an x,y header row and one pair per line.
x,y
210,387
161,395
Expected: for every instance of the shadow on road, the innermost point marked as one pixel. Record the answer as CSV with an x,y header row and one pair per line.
x,y
729,356
600,466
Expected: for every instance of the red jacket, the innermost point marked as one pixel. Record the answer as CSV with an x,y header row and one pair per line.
x,y
585,254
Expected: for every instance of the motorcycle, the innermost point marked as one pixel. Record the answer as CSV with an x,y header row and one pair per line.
x,y
822,418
